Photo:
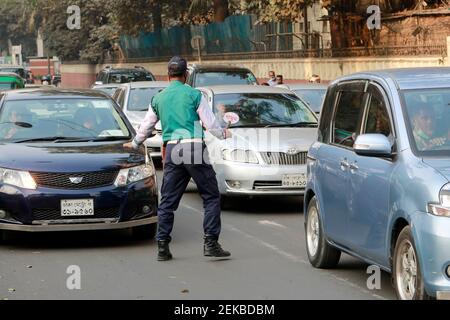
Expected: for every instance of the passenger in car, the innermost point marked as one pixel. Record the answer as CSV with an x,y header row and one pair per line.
x,y
423,129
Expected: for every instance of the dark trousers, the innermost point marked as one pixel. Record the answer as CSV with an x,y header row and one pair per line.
x,y
184,161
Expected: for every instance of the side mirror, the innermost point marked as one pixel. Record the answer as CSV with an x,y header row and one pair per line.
x,y
373,145
98,83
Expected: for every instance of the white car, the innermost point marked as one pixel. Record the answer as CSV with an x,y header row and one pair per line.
x,y
272,131
134,98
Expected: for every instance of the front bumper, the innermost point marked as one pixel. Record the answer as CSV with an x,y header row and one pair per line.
x,y
432,240
256,179
114,208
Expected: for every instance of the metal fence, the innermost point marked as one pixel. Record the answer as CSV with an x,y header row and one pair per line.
x,y
239,37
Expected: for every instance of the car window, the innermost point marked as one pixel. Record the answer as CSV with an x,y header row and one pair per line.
x,y
347,117
378,120
68,117
206,78
261,109
314,97
140,98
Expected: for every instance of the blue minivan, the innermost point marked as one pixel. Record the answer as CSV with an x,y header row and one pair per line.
x,y
63,166
379,178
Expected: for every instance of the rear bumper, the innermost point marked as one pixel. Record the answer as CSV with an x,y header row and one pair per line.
x,y
77,226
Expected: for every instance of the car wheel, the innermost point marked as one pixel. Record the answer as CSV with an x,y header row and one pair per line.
x,y
407,275
321,255
145,232
2,236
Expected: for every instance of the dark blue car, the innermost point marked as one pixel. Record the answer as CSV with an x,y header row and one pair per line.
x,y
63,166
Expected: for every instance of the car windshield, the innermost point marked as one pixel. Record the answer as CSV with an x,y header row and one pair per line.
x,y
7,85
207,78
130,76
63,118
428,117
108,91
140,98
314,98
262,110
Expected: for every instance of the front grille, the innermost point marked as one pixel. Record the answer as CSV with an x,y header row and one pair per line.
x,y
267,184
284,159
55,214
154,150
63,180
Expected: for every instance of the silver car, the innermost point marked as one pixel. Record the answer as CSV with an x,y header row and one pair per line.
x,y
109,89
313,94
272,131
134,98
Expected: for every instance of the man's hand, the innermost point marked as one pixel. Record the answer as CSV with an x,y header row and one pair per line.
x,y
128,146
227,134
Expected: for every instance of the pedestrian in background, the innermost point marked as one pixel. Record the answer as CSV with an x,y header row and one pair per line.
x,y
315,79
180,108
279,80
272,79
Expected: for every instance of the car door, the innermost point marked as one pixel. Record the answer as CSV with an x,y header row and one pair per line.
x,y
370,184
335,156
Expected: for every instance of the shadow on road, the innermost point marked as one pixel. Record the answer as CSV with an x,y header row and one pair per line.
x,y
266,205
73,240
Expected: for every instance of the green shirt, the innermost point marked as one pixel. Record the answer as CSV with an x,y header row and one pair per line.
x,y
176,107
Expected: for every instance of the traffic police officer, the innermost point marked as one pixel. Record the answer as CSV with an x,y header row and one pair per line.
x,y
180,109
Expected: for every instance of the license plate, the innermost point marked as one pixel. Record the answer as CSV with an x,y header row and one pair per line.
x,y
77,208
294,181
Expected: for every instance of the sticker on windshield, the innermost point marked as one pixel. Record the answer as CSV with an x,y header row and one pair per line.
x,y
231,117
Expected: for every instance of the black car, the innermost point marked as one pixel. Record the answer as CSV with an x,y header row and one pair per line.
x,y
115,75
212,75
63,166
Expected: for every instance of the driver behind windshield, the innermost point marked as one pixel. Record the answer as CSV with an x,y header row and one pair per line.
x,y
423,122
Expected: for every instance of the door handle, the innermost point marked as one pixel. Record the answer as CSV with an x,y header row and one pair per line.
x,y
344,164
354,167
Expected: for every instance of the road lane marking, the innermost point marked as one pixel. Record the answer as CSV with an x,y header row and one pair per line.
x,y
272,224
291,257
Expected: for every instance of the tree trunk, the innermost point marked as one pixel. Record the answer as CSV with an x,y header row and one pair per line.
x,y
220,10
157,17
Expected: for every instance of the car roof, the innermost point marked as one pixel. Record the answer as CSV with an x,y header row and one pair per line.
x,y
9,74
147,84
216,67
50,93
308,86
11,66
410,78
247,89
125,69
109,85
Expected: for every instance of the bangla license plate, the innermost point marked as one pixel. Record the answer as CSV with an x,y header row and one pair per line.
x,y
294,181
77,208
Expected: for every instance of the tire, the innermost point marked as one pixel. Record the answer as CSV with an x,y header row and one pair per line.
x,y
2,236
144,232
320,253
407,269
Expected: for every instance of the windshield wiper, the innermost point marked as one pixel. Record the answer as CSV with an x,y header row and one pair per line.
x,y
20,124
294,125
54,139
101,139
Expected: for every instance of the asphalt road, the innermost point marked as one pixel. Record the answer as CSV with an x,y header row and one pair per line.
x,y
265,235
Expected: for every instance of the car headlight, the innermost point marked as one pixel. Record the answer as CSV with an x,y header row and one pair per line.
x,y
443,208
243,156
134,174
21,179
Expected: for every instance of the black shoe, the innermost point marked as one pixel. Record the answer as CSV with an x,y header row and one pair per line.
x,y
164,251
214,250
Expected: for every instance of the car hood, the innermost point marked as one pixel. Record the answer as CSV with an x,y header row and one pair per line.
x,y
272,139
68,158
137,117
441,165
